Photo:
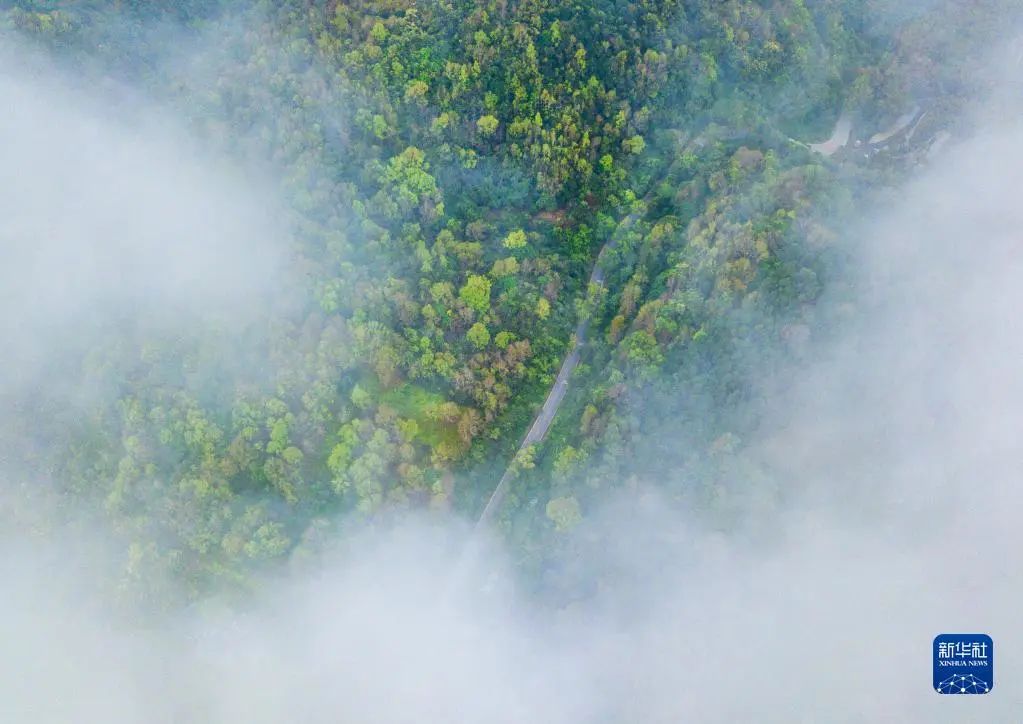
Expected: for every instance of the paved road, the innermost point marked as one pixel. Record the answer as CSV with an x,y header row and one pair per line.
x,y
839,137
542,423
842,133
901,123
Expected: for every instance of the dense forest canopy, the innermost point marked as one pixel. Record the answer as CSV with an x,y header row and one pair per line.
x,y
446,178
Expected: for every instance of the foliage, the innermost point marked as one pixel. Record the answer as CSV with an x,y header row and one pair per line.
x,y
453,169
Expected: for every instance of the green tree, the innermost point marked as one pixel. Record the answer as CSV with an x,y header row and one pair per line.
x,y
479,335
487,125
515,240
564,512
476,293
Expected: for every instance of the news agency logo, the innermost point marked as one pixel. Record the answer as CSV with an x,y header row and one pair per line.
x,y
964,663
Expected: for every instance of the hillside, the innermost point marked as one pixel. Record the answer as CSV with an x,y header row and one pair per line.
x,y
459,190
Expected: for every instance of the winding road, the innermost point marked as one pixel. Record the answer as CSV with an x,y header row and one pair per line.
x,y
839,137
901,123
842,133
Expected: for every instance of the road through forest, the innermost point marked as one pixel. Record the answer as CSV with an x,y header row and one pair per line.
x,y
840,137
542,422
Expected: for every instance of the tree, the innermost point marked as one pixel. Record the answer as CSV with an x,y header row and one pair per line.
x,y
478,335
515,240
415,92
408,179
487,125
634,145
564,512
505,267
503,339
476,293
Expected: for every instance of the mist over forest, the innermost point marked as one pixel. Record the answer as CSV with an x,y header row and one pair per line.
x,y
576,362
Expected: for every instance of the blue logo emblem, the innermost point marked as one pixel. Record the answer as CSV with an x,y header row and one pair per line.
x,y
964,664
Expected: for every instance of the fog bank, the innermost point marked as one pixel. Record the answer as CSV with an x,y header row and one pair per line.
x,y
898,452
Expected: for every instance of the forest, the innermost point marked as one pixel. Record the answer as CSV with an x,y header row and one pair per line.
x,y
463,187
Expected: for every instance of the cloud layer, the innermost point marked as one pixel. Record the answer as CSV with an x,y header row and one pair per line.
x,y
898,450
